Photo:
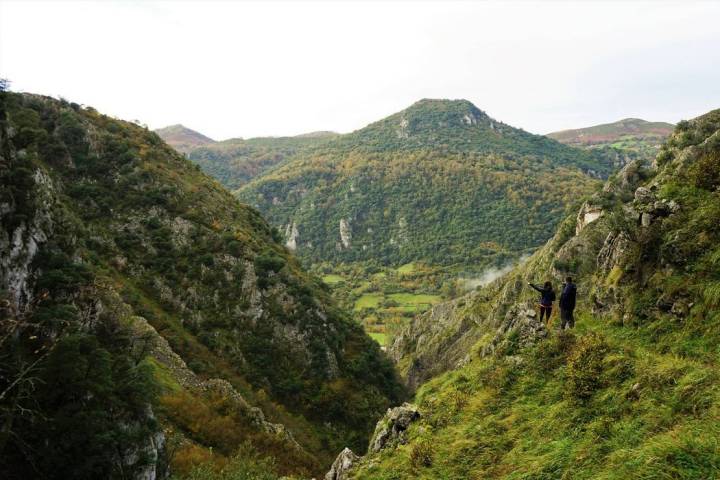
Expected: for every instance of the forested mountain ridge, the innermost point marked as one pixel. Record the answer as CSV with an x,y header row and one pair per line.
x,y
439,182
236,161
632,392
145,311
621,141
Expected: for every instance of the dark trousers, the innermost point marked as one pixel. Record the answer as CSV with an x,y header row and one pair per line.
x,y
545,311
567,319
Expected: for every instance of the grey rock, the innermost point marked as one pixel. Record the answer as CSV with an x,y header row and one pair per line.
x,y
340,469
390,430
613,251
523,319
644,195
588,214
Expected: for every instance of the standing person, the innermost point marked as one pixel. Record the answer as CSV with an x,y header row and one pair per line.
x,y
547,297
567,304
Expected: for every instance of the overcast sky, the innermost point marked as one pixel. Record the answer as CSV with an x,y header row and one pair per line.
x,y
243,69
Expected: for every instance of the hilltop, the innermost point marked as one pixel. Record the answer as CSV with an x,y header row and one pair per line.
x,y
440,182
621,141
183,139
632,392
149,321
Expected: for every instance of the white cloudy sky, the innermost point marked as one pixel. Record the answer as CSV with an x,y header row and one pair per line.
x,y
231,69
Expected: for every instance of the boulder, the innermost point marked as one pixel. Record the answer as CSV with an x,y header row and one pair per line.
x,y
341,466
390,430
644,195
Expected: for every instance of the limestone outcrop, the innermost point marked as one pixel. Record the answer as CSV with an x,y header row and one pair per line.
x,y
390,430
340,468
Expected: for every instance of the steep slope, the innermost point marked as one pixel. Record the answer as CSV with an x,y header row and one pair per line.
x,y
182,138
132,283
621,141
633,392
440,182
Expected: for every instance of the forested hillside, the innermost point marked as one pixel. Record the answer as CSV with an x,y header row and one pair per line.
x,y
620,142
151,321
236,161
632,392
439,182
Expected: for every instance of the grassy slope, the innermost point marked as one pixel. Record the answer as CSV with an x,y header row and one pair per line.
x,y
610,132
634,391
621,141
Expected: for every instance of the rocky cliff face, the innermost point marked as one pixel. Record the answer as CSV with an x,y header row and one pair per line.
x,y
95,209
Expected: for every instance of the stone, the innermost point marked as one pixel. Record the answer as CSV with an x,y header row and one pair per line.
x,y
588,214
646,219
522,318
390,430
613,251
340,469
345,233
292,234
644,195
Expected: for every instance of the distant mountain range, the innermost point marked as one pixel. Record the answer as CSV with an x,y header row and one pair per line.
x,y
620,141
434,182
440,181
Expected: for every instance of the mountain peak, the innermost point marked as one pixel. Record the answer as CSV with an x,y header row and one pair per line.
x,y
429,122
445,112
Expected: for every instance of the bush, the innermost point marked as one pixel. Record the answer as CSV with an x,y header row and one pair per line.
x,y
585,367
269,262
421,454
245,465
705,173
554,352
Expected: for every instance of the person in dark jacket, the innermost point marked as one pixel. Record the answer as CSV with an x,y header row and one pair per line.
x,y
547,297
567,304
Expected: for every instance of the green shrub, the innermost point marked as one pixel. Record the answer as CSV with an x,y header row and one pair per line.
x,y
705,172
585,367
269,262
421,454
554,352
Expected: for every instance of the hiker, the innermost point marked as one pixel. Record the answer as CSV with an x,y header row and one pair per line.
x,y
567,304
547,297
